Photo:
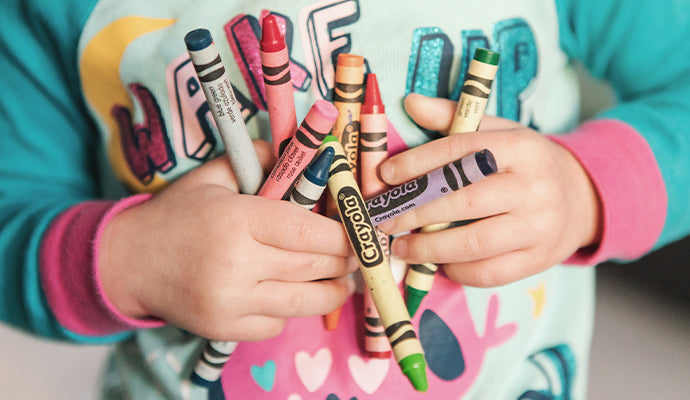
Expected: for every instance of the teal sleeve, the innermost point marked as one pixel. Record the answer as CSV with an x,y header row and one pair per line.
x,y
643,49
47,147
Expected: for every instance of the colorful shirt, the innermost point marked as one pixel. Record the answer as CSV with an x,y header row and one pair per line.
x,y
100,101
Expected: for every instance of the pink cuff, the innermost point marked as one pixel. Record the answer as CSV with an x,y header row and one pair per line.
x,y
630,186
69,270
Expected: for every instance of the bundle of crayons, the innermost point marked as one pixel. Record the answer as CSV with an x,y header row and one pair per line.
x,y
333,143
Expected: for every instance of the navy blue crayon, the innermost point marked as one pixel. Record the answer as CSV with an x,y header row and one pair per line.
x,y
311,185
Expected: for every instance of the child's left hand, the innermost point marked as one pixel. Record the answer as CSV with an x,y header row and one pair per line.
x,y
535,212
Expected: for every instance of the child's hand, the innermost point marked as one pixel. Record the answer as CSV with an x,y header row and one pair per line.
x,y
537,210
225,266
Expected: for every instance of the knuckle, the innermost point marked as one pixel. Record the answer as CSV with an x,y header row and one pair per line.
x,y
456,148
296,300
472,244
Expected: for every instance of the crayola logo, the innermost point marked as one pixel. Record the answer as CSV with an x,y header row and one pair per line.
x,y
397,196
359,227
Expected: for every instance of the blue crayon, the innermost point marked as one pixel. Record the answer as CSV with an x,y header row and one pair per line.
x,y
311,185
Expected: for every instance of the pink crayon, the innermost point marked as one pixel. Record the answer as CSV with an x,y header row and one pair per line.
x,y
300,150
373,150
275,63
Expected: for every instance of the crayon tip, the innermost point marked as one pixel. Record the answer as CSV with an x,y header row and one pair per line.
x,y
198,39
317,172
414,368
486,56
199,381
372,97
486,162
413,299
330,138
350,60
331,320
271,38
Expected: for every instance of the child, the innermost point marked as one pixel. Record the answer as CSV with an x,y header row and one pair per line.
x,y
100,102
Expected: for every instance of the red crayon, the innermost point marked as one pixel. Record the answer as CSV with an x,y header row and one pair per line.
x,y
373,150
275,63
300,150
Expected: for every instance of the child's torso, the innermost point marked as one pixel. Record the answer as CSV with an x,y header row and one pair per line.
x,y
141,89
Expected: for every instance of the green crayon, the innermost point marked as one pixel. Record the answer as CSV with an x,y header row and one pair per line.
x,y
376,270
468,114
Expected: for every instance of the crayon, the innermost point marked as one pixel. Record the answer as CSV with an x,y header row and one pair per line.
x,y
475,91
431,186
330,320
225,109
373,150
275,64
311,185
420,277
320,206
347,98
471,106
210,365
376,271
227,115
299,151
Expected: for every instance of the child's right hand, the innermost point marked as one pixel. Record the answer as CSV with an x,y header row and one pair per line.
x,y
220,264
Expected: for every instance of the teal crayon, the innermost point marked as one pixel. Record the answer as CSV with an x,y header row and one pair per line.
x,y
376,271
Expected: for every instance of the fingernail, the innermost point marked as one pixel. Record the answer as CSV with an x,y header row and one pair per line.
x,y
387,172
399,247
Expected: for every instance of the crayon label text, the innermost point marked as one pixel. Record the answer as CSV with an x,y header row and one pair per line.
x,y
398,196
359,228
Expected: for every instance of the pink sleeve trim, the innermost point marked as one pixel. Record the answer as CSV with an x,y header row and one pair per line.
x,y
69,270
627,177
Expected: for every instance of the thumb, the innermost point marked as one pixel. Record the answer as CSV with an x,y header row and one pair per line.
x,y
432,113
219,171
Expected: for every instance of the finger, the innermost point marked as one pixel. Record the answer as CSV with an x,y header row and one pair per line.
x,y
495,271
423,159
264,151
219,171
437,114
432,113
498,194
486,238
491,123
291,227
290,266
286,300
254,328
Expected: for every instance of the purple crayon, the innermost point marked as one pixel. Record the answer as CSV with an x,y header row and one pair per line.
x,y
429,187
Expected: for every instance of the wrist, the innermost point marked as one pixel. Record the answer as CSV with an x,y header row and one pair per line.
x,y
117,258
